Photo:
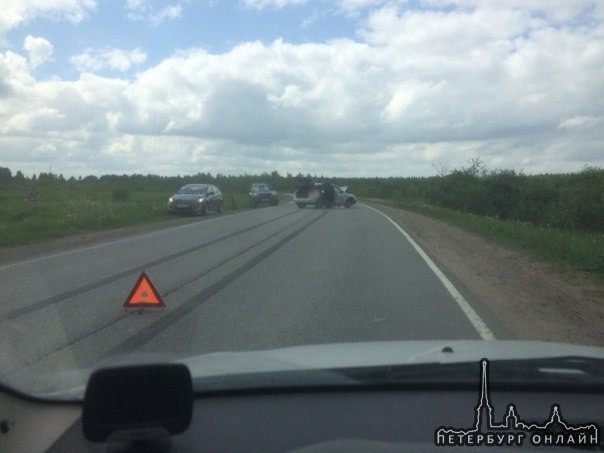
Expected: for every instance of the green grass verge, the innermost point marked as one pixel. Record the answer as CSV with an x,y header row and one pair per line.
x,y
567,250
64,211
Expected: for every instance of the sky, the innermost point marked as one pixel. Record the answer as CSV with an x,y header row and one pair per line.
x,y
346,88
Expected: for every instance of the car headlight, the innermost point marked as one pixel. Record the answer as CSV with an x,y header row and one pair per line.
x,y
200,200
170,200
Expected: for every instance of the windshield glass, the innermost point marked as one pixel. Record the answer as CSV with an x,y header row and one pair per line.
x,y
192,190
433,178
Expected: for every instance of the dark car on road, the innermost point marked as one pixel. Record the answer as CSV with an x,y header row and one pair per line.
x,y
196,199
323,195
263,193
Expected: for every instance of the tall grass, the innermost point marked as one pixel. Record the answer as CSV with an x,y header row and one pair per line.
x,y
68,210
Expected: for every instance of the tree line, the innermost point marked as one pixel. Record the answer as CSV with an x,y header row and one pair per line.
x,y
567,201
573,201
149,182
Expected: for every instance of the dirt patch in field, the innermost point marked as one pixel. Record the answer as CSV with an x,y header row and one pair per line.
x,y
533,301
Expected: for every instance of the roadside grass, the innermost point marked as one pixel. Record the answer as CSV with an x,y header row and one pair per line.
x,y
64,211
567,250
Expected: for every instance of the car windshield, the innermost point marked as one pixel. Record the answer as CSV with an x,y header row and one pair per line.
x,y
192,190
433,176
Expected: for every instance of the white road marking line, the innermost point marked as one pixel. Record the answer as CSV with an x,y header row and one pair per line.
x,y
480,326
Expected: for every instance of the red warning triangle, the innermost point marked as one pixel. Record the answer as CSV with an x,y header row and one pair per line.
x,y
143,294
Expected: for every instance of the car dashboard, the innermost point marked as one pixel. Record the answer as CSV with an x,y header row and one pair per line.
x,y
302,419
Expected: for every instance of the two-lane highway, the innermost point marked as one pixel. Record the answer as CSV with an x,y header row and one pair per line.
x,y
260,279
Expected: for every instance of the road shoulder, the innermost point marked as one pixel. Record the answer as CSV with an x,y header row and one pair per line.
x,y
533,301
15,253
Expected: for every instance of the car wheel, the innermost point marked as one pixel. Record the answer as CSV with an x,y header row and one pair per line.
x,y
348,203
219,209
204,210
319,204
276,202
301,205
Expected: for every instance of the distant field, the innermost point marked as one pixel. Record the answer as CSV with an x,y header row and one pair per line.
x,y
67,210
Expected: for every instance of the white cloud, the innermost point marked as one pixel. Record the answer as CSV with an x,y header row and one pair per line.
x,y
136,5
512,86
39,50
556,11
354,7
15,12
435,32
144,10
170,12
277,4
15,77
113,59
577,122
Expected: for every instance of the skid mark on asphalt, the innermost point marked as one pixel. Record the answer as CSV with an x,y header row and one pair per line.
x,y
134,270
143,336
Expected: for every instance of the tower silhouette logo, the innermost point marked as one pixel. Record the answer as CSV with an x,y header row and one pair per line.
x,y
513,431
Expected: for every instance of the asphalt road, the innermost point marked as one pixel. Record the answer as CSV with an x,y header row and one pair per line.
x,y
259,279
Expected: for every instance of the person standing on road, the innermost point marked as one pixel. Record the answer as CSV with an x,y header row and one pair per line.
x,y
329,195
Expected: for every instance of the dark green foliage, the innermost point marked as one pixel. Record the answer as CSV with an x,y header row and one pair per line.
x,y
572,201
120,194
5,175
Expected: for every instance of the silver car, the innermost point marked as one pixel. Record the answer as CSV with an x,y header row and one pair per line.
x,y
196,199
323,195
